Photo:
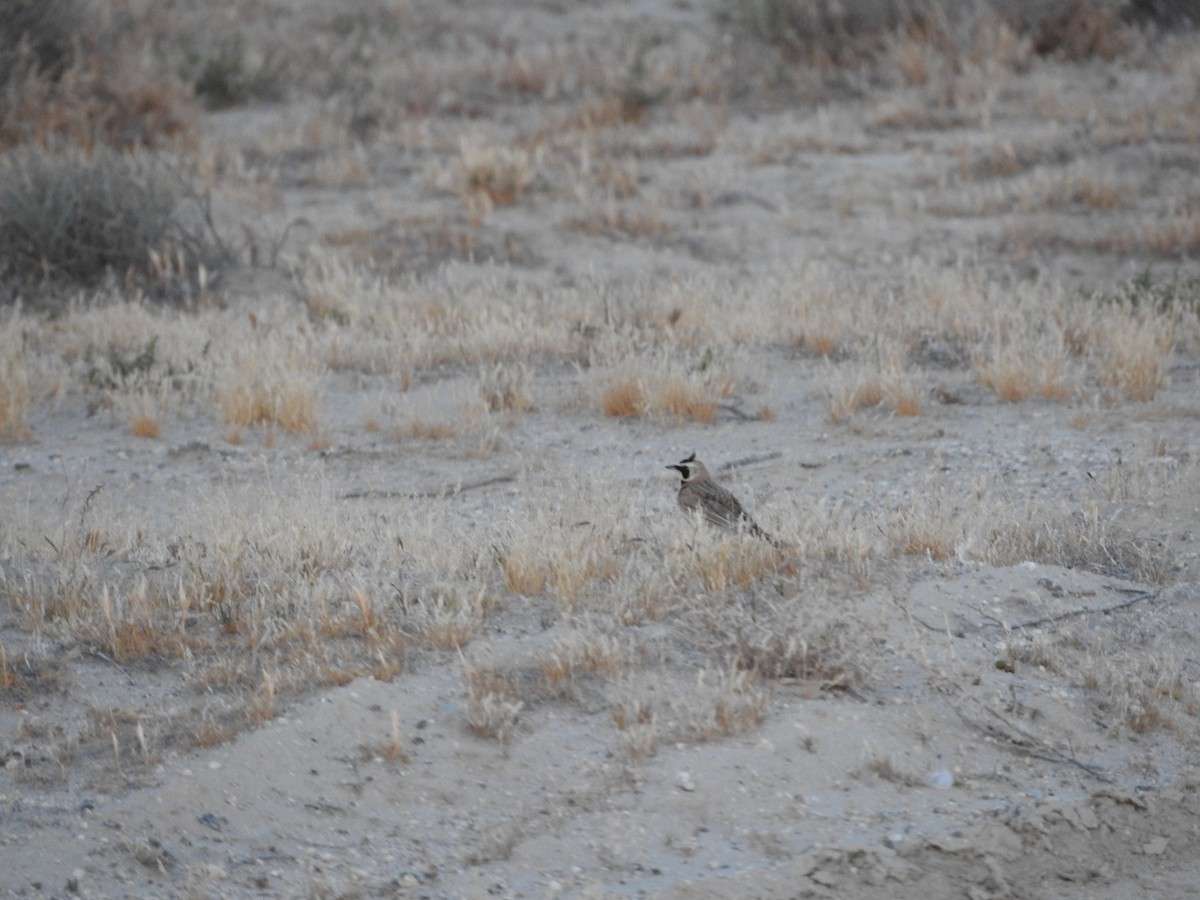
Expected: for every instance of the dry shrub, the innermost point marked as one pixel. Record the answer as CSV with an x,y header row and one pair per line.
x,y
226,76
1080,29
42,36
77,216
1164,13
580,654
937,41
930,525
87,110
137,623
566,565
69,75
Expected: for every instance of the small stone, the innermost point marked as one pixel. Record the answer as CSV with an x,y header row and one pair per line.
x,y
942,779
1156,847
685,782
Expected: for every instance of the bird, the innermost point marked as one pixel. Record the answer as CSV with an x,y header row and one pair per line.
x,y
720,508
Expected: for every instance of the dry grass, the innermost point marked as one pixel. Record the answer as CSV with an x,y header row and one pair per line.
x,y
677,387
486,175
875,376
1026,366
14,382
274,583
145,425
718,562
621,221
506,388
589,525
70,73
420,430
273,386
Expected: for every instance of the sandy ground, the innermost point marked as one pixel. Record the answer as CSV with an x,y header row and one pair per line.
x,y
950,771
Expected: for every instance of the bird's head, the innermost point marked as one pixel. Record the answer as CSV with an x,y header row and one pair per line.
x,y
691,469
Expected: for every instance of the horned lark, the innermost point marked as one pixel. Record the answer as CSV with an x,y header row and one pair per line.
x,y
720,508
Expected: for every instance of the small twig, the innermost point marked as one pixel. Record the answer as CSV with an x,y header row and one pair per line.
x,y
1069,614
1029,744
737,411
264,857
88,502
748,460
450,491
278,244
108,659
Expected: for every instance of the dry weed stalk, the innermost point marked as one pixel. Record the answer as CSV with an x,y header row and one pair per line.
x,y
14,382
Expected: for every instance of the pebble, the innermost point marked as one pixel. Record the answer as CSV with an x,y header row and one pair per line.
x,y
1156,847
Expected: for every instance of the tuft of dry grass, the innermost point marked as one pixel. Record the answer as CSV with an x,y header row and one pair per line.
x,y
1025,366
486,175
878,375
420,430
640,385
1133,352
623,398
447,617
622,220
14,382
145,425
492,708
506,387
274,386
686,401
736,702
